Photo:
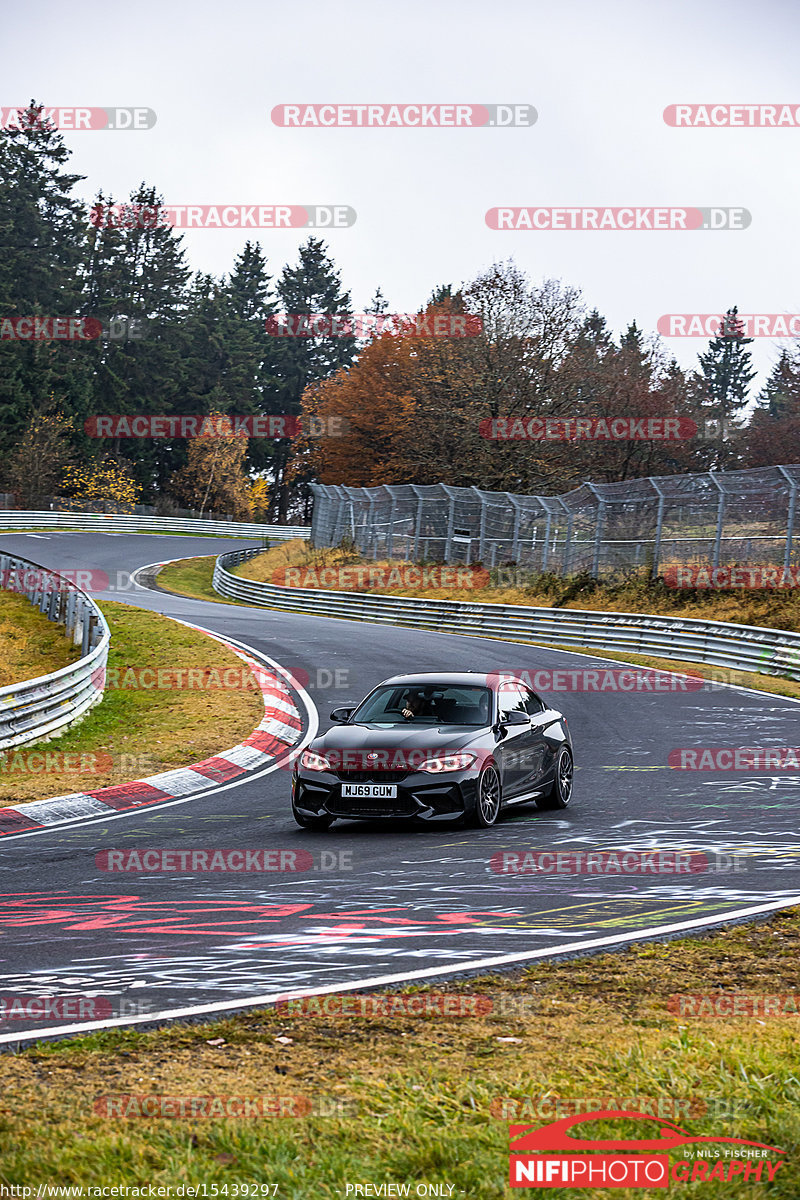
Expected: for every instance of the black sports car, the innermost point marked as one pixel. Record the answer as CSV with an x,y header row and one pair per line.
x,y
440,747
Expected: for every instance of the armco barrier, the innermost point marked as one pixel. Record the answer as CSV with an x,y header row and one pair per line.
x,y
131,523
737,647
41,708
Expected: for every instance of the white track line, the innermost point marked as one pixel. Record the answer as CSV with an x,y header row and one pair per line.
x,y
452,969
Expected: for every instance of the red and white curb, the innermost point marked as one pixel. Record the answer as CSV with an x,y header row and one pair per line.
x,y
280,730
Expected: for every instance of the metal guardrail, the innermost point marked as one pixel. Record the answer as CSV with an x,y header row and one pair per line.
x,y
39,709
736,647
131,523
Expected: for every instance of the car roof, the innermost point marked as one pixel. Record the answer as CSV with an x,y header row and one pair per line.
x,y
449,678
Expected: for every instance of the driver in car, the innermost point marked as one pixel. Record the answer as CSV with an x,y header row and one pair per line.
x,y
417,704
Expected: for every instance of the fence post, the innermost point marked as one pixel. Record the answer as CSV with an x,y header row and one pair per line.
x,y
598,530
371,534
787,553
451,517
482,526
418,524
546,551
659,526
392,509
568,542
69,623
517,519
720,516
88,628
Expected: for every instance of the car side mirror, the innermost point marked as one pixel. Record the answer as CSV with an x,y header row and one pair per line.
x,y
340,715
516,718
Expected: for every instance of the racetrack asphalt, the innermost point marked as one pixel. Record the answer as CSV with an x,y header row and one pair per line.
x,y
383,903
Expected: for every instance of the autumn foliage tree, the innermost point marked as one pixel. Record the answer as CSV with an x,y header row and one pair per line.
x,y
214,477
102,484
35,470
370,415
423,409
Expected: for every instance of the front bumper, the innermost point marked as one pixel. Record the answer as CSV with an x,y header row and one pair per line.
x,y
420,796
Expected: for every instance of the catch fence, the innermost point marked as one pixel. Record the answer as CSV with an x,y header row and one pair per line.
x,y
715,519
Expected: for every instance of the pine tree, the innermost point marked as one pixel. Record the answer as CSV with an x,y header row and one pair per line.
x,y
42,228
773,433
137,271
378,304
251,377
313,286
781,393
727,374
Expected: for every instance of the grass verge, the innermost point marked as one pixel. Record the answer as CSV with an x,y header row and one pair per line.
x,y
406,1098
141,728
779,609
191,577
30,645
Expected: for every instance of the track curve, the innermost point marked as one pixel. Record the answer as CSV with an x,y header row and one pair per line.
x,y
385,904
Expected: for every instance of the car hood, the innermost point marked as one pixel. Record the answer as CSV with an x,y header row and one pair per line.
x,y
398,737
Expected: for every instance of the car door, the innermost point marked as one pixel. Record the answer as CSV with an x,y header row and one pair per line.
x,y
540,753
519,747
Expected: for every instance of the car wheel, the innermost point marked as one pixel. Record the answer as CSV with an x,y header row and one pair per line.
x,y
308,822
561,790
488,799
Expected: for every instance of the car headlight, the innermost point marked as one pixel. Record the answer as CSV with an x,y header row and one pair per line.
x,y
314,762
447,762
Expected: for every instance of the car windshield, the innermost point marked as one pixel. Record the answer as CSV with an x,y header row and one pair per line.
x,y
426,704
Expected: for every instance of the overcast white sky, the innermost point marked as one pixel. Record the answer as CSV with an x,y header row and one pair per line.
x,y
599,73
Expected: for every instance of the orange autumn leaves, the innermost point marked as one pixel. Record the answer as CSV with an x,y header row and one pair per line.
x,y
397,405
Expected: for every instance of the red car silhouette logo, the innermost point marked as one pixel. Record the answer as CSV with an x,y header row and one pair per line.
x,y
556,1136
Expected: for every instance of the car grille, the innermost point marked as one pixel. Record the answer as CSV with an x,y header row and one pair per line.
x,y
370,806
371,776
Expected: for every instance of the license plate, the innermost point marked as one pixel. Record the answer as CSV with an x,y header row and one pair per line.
x,y
378,791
